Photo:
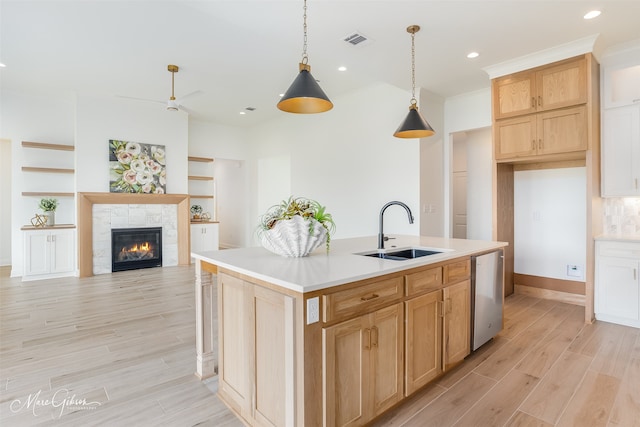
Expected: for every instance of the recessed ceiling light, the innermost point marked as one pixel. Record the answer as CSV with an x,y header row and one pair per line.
x,y
473,55
281,95
592,14
242,113
343,68
2,65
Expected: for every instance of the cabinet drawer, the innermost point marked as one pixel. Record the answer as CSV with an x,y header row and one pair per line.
x,y
355,301
457,271
424,280
619,249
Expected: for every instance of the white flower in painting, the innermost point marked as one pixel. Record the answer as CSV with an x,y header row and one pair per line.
x,y
138,165
158,154
144,177
154,167
144,157
159,190
125,157
146,188
133,148
130,177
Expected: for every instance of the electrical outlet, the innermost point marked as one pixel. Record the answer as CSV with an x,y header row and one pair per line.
x,y
313,310
574,271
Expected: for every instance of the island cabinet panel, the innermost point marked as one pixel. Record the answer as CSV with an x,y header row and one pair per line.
x,y
351,302
363,365
257,359
456,271
424,280
457,323
423,340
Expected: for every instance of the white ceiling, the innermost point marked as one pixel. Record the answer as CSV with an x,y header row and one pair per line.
x,y
244,53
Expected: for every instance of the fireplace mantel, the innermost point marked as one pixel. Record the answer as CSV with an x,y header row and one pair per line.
x,y
85,222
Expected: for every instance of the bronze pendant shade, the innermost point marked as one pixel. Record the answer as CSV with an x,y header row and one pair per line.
x,y
305,96
414,125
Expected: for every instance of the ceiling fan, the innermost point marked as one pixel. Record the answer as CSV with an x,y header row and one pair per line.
x,y
172,104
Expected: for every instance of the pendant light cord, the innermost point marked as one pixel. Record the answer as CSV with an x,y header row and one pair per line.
x,y
414,101
305,58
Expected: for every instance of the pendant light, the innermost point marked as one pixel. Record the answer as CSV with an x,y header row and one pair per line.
x,y
414,125
305,96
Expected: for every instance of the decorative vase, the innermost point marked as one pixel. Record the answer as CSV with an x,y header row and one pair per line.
x,y
295,237
51,218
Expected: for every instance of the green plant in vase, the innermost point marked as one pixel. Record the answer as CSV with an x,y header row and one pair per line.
x,y
49,207
196,211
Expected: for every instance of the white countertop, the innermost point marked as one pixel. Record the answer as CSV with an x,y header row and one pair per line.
x,y
341,265
619,237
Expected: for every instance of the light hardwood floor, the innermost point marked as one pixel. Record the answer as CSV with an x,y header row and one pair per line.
x,y
126,341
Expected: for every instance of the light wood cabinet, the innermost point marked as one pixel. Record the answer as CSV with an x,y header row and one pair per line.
x,y
560,85
551,132
456,327
363,366
257,357
49,253
621,152
423,340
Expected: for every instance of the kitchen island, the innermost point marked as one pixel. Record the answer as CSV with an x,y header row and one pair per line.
x,y
332,339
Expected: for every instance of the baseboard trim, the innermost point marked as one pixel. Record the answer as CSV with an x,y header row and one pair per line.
x,y
566,297
550,283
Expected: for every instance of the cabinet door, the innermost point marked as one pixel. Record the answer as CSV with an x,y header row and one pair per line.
x,y
347,348
36,253
386,358
63,253
236,348
457,323
618,288
210,237
196,238
515,137
621,152
562,131
622,84
423,341
562,85
514,95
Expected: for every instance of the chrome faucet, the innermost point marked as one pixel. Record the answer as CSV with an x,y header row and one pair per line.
x,y
381,238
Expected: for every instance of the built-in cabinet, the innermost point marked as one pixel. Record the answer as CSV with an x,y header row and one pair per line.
x,y
618,282
204,237
547,117
621,130
202,185
369,345
49,253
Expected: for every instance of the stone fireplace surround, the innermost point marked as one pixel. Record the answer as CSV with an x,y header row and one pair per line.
x,y
85,222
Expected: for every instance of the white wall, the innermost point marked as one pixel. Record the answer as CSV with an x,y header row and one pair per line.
x,y
99,120
348,160
464,112
432,179
550,222
479,184
5,206
44,119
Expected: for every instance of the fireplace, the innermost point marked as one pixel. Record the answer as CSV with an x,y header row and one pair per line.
x,y
134,248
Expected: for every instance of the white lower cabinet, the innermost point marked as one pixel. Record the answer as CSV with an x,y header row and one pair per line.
x,y
204,237
618,282
49,253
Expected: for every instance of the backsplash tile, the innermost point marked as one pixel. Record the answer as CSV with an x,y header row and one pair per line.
x,y
622,216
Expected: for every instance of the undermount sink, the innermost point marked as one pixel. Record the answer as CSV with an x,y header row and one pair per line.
x,y
403,254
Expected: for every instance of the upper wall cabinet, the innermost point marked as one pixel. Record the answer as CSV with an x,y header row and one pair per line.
x,y
622,85
559,85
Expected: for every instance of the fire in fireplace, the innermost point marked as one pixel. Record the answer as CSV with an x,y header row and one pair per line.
x,y
133,248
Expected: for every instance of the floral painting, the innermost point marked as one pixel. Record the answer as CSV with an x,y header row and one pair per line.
x,y
136,168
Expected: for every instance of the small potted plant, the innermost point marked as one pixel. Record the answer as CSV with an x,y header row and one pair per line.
x,y
196,211
49,207
295,227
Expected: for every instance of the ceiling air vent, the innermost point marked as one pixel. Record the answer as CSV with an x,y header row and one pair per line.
x,y
357,39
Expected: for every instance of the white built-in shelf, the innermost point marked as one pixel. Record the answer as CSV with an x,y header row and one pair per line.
x,y
200,178
47,193
57,226
43,146
47,170
200,159
196,196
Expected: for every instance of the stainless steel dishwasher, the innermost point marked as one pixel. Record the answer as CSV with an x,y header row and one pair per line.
x,y
487,297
